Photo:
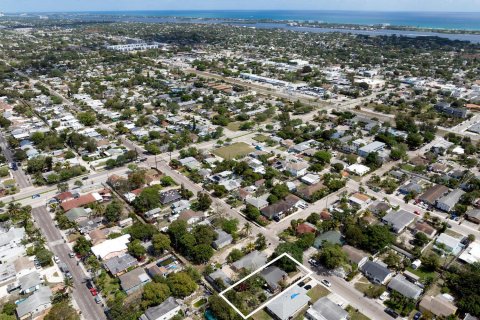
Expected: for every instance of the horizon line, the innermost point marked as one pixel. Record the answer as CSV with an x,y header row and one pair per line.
x,y
238,10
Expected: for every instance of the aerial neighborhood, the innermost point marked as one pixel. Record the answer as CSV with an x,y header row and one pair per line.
x,y
206,171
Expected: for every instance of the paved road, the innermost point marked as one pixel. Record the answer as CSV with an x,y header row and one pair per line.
x,y
352,296
20,177
84,299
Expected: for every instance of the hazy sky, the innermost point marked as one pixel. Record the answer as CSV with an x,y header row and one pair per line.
x,y
111,5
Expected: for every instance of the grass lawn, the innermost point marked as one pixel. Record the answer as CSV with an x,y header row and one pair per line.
x,y
234,126
362,285
422,273
261,315
317,292
260,138
237,149
200,303
356,315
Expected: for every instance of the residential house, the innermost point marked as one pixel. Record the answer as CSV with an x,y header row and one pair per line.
x,y
379,208
406,288
473,215
432,194
471,254
297,168
310,179
326,309
376,272
308,192
399,220
30,282
305,227
333,237
78,214
120,264
276,210
448,244
251,261
355,255
152,215
448,202
133,280
411,187
169,197
35,305
219,280
191,217
425,228
64,196
273,276
375,146
359,199
111,247
439,306
223,239
258,203
358,169
164,311
81,201
289,303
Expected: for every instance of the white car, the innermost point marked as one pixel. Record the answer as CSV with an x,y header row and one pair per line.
x,y
326,283
55,258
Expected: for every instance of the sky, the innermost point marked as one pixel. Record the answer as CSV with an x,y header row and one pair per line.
x,y
121,5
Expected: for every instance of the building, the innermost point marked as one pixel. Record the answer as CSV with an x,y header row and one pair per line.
x,y
77,214
297,169
448,202
375,146
376,272
169,197
355,255
379,208
35,305
111,248
164,311
448,244
289,303
326,309
134,280
473,215
471,254
191,217
30,282
277,209
223,239
120,264
333,237
399,220
258,203
445,107
306,227
358,169
425,228
432,194
439,306
251,261
219,280
310,179
81,201
273,276
406,288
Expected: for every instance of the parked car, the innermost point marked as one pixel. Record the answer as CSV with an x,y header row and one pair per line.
x,y
56,259
417,316
35,196
391,313
94,292
98,300
326,283
71,255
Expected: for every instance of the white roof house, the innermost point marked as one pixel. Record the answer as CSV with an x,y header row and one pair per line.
x,y
451,244
358,169
471,254
112,247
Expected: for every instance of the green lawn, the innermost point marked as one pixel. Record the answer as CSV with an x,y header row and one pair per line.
x,y
200,303
317,292
261,315
356,315
260,138
234,126
235,150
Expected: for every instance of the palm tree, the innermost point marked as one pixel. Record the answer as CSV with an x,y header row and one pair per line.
x,y
247,228
68,285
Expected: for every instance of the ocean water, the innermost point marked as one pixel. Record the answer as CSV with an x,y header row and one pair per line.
x,y
434,20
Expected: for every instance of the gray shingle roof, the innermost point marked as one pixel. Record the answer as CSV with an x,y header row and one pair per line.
x,y
120,263
400,284
157,312
326,309
289,302
251,261
39,298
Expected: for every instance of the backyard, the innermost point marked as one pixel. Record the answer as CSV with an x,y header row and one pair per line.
x,y
235,150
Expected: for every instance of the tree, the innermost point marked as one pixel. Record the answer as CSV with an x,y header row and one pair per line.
x,y
62,311
113,211
420,239
221,309
181,285
160,243
9,308
147,200
323,157
44,257
234,255
62,187
291,248
203,202
136,249
332,255
260,242
87,118
204,234
154,294
177,229
252,212
431,262
392,260
219,191
414,140
230,225
82,246
306,241
167,181
201,253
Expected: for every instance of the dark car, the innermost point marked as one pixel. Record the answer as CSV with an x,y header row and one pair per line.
x,y
391,313
14,166
85,178
89,284
417,316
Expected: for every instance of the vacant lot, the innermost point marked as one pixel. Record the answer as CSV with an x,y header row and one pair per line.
x,y
317,292
235,150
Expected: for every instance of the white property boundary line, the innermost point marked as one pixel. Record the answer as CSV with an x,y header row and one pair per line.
x,y
308,271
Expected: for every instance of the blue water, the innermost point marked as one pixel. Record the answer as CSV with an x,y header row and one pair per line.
x,y
435,20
